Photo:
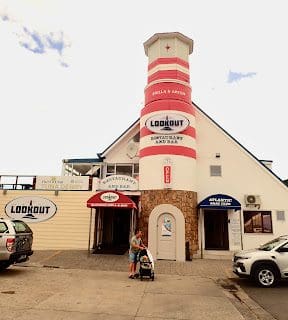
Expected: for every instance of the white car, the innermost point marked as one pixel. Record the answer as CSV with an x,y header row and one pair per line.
x,y
16,240
266,264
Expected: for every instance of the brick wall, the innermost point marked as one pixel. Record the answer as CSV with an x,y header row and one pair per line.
x,y
186,201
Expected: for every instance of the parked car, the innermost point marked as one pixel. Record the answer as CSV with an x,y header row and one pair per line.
x,y
16,240
266,265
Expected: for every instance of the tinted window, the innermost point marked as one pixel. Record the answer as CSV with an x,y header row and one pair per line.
x,y
257,222
21,227
3,227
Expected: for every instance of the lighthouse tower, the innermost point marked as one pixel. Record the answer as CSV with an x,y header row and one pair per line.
x,y
167,152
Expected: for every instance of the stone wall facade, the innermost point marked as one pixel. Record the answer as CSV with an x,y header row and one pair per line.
x,y
186,201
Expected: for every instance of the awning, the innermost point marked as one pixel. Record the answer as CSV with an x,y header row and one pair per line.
x,y
220,201
112,199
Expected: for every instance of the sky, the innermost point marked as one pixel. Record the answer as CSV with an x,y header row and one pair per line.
x,y
72,74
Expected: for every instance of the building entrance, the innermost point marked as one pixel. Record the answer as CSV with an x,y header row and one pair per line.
x,y
113,231
216,230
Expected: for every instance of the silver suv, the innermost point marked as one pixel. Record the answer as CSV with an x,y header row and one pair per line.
x,y
266,264
16,240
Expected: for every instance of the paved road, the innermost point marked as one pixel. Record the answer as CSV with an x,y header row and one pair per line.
x,y
33,293
273,300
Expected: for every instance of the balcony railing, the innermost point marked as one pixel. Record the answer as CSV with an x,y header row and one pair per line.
x,y
19,182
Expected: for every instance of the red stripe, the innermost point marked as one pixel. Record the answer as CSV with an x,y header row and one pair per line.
x,y
145,132
168,105
190,131
170,150
159,61
168,90
169,74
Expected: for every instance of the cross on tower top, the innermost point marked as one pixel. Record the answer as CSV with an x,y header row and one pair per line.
x,y
167,47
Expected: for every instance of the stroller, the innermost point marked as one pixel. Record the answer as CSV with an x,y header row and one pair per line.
x,y
146,264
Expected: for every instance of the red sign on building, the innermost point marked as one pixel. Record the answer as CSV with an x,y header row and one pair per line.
x,y
167,174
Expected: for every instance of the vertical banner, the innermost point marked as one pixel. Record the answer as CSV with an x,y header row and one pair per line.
x,y
167,173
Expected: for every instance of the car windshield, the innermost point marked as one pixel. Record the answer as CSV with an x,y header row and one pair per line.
x,y
272,244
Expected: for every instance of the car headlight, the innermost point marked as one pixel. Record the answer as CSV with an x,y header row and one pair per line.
x,y
236,258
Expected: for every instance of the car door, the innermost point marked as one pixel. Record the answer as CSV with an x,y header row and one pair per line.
x,y
282,260
3,231
24,236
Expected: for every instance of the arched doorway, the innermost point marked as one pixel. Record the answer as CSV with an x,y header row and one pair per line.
x,y
171,246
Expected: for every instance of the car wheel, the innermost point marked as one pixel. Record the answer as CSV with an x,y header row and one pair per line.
x,y
4,265
266,276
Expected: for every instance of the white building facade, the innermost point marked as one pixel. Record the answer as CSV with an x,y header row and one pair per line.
x,y
175,173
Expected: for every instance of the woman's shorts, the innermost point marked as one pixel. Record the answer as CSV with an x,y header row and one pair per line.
x,y
133,257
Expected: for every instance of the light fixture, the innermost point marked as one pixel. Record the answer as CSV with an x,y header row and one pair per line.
x,y
217,155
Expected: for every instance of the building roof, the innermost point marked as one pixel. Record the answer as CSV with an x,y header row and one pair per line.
x,y
166,35
102,154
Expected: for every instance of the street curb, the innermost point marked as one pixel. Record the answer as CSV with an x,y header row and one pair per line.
x,y
255,308
236,292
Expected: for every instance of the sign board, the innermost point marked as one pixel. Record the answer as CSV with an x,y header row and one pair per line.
x,y
109,197
119,182
234,231
167,174
167,123
31,209
62,183
220,201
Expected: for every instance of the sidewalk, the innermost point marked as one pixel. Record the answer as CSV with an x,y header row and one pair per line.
x,y
202,276
79,259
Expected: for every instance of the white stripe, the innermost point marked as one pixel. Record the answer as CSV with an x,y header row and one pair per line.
x,y
157,140
172,66
168,80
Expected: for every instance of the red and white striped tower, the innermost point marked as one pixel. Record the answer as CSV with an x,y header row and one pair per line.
x,y
167,163
167,123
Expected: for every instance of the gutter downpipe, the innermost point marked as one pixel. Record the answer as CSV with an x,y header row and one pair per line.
x,y
200,215
89,240
241,224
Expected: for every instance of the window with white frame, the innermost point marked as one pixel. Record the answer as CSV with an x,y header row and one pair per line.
x,y
130,169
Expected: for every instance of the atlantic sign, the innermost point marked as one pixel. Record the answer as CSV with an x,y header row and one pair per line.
x,y
220,201
31,209
167,123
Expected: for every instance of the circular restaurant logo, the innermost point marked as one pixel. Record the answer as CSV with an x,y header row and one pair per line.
x,y
167,123
109,197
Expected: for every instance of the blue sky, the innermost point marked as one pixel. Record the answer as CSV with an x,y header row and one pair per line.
x,y
73,74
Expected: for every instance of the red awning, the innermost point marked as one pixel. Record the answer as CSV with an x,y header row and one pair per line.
x,y
112,199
